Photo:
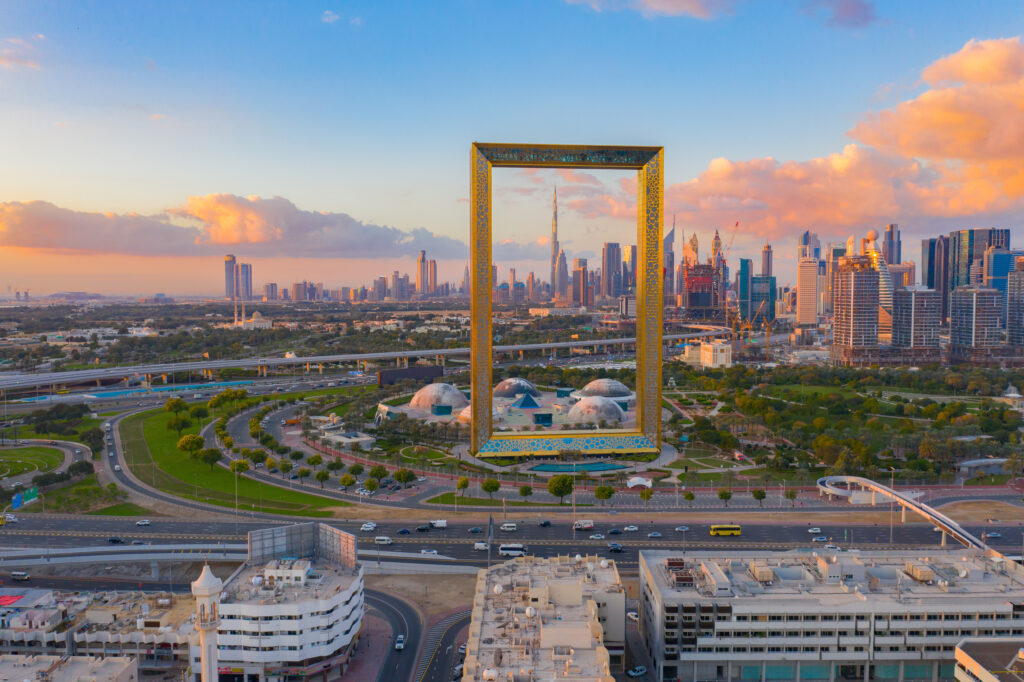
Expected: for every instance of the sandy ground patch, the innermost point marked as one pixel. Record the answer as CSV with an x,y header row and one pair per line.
x,y
434,594
979,511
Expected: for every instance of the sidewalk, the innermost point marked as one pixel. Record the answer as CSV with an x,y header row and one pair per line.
x,y
371,651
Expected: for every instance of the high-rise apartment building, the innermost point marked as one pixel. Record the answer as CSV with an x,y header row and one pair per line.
x,y
669,254
555,250
270,292
763,297
432,277
967,248
580,283
766,260
629,261
974,318
902,274
611,273
892,248
997,265
1015,304
915,317
229,277
245,281
855,330
421,273
809,246
561,277
380,288
743,281
807,291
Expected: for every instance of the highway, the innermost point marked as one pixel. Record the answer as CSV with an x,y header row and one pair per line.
x,y
106,373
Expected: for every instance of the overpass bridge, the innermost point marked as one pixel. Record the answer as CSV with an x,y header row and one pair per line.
x,y
847,487
261,364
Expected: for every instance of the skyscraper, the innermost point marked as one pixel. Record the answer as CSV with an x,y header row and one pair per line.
x,y
766,260
915,317
561,277
743,287
902,275
432,277
809,246
244,281
611,273
670,262
1015,304
421,273
763,295
229,277
807,292
580,282
270,292
555,250
630,262
973,319
856,309
892,249
967,247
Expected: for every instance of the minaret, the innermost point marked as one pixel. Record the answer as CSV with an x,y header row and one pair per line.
x,y
206,589
554,244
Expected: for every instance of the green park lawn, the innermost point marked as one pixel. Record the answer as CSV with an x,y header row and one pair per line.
x,y
427,454
996,479
152,453
809,391
449,498
76,433
82,496
36,459
122,509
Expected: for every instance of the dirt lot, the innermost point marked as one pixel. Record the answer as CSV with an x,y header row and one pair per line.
x,y
434,594
982,510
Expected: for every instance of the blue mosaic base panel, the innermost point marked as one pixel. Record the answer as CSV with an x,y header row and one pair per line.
x,y
585,443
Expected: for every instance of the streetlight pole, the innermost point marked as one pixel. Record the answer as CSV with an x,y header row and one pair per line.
x,y
892,500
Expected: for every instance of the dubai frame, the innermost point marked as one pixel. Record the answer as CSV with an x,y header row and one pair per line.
x,y
649,164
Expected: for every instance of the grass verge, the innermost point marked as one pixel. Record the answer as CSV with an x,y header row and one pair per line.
x,y
449,498
122,509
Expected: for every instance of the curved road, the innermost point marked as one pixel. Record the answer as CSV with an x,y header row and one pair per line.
x,y
404,619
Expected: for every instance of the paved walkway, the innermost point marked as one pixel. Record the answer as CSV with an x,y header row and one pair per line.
x,y
374,642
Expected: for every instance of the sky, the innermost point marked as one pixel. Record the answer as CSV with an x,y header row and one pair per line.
x,y
330,140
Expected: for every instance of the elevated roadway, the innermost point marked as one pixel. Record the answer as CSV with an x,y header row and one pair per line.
x,y
81,376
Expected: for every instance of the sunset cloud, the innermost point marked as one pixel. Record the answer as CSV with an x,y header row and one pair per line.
x,y
205,225
698,9
844,13
18,53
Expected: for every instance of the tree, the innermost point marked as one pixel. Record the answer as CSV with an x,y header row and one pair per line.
x,y
175,405
525,491
323,476
335,465
404,476
178,424
346,480
191,443
210,456
646,494
285,466
462,484
303,472
724,494
199,412
356,469
239,466
296,455
759,495
791,496
380,472
603,493
689,497
560,486
371,484
314,460
490,486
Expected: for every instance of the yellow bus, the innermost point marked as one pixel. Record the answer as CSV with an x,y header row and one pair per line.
x,y
725,529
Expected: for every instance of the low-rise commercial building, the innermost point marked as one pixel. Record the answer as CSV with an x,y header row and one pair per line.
x,y
991,659
64,668
542,619
827,615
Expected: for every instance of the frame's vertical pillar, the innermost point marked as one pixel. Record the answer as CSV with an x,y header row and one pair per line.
x,y
650,190
480,298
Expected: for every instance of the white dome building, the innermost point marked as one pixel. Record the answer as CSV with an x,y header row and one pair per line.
x,y
466,415
438,394
593,409
513,386
607,388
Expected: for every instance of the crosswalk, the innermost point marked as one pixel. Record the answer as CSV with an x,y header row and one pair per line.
x,y
433,641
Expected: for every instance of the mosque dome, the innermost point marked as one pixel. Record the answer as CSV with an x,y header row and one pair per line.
x,y
257,315
438,394
513,386
607,388
595,408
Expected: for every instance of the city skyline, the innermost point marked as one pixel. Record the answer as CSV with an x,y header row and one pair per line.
x,y
835,141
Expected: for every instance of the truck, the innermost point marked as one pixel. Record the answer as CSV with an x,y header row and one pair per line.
x,y
439,523
583,524
294,421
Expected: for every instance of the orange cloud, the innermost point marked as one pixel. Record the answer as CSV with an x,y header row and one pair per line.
x,y
699,9
577,177
980,61
231,219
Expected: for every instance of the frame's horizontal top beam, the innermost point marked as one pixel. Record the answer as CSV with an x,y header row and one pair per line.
x,y
565,155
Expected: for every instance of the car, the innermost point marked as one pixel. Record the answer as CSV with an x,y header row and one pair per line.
x,y
654,534
117,467
544,524
462,649
422,529
993,535
834,548
115,540
814,531
936,529
476,529
615,547
819,538
994,521
633,616
614,531
138,542
638,671
78,451
295,476
403,531
428,551
682,529
10,518
631,529
396,488
399,642
421,479
597,536
457,672
143,522
368,527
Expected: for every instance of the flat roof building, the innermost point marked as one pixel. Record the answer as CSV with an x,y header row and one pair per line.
x,y
822,615
65,668
542,619
994,659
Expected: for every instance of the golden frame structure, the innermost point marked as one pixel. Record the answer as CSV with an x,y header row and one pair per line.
x,y
649,164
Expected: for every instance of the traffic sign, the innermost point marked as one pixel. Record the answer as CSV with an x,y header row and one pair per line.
x,y
31,495
16,501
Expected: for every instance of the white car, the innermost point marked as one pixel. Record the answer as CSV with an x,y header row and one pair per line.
x,y
834,548
399,642
993,535
819,538
631,529
143,522
682,529
638,671
10,518
428,551
597,536
814,531
368,527
421,479
633,616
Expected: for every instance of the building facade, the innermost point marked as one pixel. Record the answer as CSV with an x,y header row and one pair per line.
x,y
855,327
